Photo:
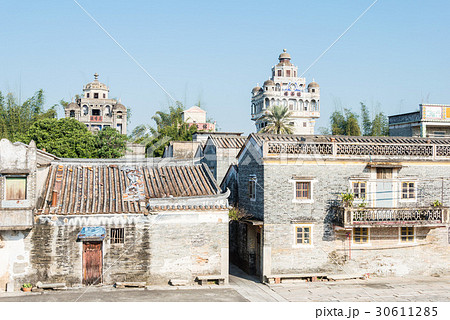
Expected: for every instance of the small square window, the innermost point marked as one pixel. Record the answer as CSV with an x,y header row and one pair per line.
x,y
95,95
117,235
303,235
302,190
408,190
359,190
407,234
87,95
361,235
16,188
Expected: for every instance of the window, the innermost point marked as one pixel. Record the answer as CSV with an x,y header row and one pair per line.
x,y
304,124
303,235
384,173
279,73
117,235
407,234
408,190
95,112
104,96
87,95
85,110
288,73
361,235
303,190
16,188
359,190
439,133
95,95
72,114
252,188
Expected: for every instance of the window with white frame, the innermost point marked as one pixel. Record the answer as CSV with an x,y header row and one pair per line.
x,y
303,234
303,190
408,190
407,234
252,188
359,189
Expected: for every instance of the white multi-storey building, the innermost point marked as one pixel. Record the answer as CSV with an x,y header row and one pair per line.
x,y
286,88
97,110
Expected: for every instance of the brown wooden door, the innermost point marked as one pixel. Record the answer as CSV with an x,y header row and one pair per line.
x,y
92,262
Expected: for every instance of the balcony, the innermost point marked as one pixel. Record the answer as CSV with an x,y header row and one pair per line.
x,y
385,217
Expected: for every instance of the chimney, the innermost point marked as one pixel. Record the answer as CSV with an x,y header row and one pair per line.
x,y
54,198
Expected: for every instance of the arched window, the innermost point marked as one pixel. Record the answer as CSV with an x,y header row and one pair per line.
x,y
72,113
253,108
85,110
313,105
300,105
278,87
285,103
306,107
292,104
108,111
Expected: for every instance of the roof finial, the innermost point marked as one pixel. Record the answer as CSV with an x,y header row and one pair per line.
x,y
96,76
284,50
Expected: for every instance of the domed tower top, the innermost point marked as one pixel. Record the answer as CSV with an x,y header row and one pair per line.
x,y
285,58
96,89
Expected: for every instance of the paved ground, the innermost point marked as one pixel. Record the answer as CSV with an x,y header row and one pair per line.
x,y
243,287
406,289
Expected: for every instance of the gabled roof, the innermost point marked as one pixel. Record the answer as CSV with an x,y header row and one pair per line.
x,y
228,141
115,187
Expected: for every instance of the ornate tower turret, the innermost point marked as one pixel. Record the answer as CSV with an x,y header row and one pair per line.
x,y
285,88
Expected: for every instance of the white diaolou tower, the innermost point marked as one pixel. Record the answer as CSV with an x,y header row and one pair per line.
x,y
285,88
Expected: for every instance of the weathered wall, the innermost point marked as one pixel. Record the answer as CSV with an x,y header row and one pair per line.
x,y
157,248
385,254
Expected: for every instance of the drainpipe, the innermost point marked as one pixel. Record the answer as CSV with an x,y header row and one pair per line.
x,y
349,246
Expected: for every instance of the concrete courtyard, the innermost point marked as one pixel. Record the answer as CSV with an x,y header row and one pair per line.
x,y
243,287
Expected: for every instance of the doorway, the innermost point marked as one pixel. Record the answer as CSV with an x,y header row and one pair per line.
x,y
92,262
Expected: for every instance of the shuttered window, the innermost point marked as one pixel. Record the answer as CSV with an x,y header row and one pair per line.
x,y
16,188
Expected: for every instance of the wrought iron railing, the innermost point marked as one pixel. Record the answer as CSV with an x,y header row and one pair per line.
x,y
387,216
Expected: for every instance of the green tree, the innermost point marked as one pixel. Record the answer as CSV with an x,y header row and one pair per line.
x,y
109,143
16,118
169,127
380,125
277,118
67,138
365,119
344,123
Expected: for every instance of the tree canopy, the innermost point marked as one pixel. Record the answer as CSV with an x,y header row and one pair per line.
x,y
169,127
69,138
277,118
346,122
16,118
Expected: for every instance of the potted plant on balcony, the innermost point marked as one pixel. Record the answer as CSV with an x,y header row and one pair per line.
x,y
347,199
436,203
26,287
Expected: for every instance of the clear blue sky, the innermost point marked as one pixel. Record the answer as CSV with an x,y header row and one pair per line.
x,y
394,58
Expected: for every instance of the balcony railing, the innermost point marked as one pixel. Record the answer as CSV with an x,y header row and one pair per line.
x,y
427,216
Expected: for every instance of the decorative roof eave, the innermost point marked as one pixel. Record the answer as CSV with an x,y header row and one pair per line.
x,y
219,201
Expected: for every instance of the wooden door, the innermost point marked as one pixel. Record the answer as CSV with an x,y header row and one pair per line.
x,y
92,262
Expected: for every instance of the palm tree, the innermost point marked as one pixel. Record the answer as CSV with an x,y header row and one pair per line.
x,y
277,118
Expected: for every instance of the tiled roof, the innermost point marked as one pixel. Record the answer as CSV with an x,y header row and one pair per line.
x,y
228,142
87,188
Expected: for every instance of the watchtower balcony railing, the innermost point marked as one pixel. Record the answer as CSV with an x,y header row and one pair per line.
x,y
425,216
